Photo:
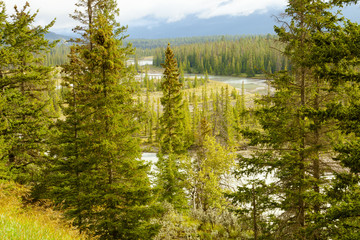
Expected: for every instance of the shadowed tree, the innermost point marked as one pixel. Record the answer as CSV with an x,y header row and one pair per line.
x,y
297,134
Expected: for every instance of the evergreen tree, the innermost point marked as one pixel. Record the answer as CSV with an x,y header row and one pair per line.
x,y
26,88
227,119
257,204
105,188
234,56
172,120
171,134
295,129
187,124
3,122
338,56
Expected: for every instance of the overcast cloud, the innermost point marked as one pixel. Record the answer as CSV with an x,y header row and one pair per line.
x,y
147,12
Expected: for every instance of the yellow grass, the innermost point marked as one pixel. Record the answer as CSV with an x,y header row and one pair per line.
x,y
18,222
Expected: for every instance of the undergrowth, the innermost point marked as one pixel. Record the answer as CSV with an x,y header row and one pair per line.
x,y
19,221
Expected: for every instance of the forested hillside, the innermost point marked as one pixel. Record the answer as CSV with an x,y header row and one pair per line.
x,y
150,44
217,55
227,164
144,47
247,55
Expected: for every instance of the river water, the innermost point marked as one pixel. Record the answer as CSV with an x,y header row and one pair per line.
x,y
230,180
252,86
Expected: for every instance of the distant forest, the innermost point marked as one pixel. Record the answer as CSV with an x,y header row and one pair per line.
x,y
141,44
248,55
218,55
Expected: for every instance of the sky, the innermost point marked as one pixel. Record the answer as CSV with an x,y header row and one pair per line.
x,y
150,13
173,18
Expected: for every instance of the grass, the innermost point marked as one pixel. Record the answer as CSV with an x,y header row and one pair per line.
x,y
20,222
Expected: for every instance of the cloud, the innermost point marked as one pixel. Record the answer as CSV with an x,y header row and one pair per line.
x,y
150,12
48,11
175,10
241,8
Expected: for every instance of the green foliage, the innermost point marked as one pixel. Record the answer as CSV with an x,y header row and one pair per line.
x,y
171,135
3,122
207,171
172,121
255,202
341,219
296,131
87,160
170,180
243,56
97,176
26,94
199,224
336,50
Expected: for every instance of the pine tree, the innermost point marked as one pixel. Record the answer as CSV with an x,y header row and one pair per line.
x,y
295,131
3,121
228,119
171,122
105,188
171,134
187,124
26,88
69,181
338,56
255,204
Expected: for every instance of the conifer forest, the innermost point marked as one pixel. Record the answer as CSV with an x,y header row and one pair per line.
x,y
77,120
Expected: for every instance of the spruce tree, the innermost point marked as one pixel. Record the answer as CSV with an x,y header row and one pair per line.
x,y
171,134
295,137
26,87
105,186
3,122
172,120
337,51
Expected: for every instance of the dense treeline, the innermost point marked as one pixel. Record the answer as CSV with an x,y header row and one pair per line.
x,y
218,55
79,144
247,55
58,55
148,47
144,44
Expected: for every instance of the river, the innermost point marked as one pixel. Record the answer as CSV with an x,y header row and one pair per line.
x,y
230,180
252,86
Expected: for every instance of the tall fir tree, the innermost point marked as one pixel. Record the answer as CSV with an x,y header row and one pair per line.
x,y
337,51
295,130
25,93
97,174
171,122
3,121
171,134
